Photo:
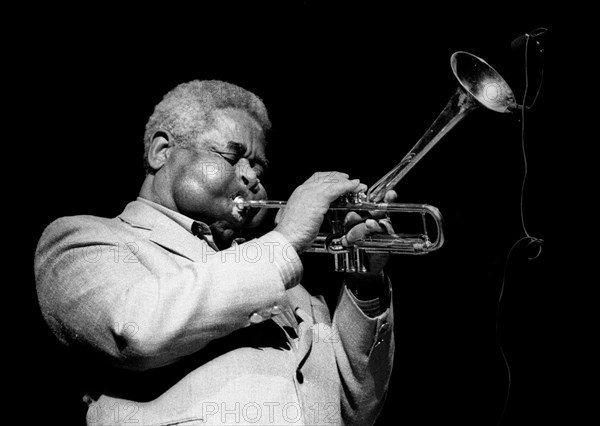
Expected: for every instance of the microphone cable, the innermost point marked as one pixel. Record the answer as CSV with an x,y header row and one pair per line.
x,y
531,240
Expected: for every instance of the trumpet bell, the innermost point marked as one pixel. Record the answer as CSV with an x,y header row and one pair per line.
x,y
482,82
479,85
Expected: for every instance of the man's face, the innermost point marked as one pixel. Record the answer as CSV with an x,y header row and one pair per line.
x,y
227,163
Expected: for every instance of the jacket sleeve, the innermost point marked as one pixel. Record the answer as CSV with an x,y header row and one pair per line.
x,y
146,310
364,354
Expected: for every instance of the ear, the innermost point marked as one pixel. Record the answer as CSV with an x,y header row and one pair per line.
x,y
159,150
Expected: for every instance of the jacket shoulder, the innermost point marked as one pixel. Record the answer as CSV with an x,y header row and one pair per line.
x,y
68,224
70,231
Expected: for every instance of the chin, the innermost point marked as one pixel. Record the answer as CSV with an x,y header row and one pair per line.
x,y
257,219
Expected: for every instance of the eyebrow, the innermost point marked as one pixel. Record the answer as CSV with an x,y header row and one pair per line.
x,y
240,150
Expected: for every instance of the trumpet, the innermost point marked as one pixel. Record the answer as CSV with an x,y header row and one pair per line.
x,y
480,85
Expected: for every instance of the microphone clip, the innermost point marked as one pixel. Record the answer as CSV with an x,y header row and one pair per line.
x,y
534,36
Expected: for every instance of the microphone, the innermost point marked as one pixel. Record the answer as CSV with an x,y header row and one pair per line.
x,y
519,41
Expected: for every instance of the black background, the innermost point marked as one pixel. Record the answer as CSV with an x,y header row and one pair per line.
x,y
349,89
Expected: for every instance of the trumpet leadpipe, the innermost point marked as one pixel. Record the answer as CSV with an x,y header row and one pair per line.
x,y
346,206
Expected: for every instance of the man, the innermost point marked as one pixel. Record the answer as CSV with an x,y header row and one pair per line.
x,y
182,321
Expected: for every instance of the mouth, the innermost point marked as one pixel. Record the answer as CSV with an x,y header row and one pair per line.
x,y
239,211
247,216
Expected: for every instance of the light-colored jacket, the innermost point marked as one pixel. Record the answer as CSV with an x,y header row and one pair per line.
x,y
178,333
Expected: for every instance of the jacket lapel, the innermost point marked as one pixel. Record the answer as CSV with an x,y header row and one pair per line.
x,y
164,231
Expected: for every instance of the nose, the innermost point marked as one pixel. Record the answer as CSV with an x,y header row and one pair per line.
x,y
248,175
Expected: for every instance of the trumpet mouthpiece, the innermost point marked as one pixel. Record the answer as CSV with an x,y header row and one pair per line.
x,y
240,201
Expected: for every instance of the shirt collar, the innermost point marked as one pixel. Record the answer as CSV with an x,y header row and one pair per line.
x,y
197,228
193,226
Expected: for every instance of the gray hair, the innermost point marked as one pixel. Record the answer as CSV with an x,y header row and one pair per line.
x,y
186,112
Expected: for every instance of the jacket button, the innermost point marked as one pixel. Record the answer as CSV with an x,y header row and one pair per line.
x,y
299,376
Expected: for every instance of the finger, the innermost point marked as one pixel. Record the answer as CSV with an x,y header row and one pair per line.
x,y
355,234
363,230
327,177
390,196
352,219
373,227
361,188
335,189
378,214
386,224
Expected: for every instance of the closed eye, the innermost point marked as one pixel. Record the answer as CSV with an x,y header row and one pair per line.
x,y
231,157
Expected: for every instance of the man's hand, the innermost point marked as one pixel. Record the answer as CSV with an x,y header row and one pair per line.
x,y
301,219
370,285
358,227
